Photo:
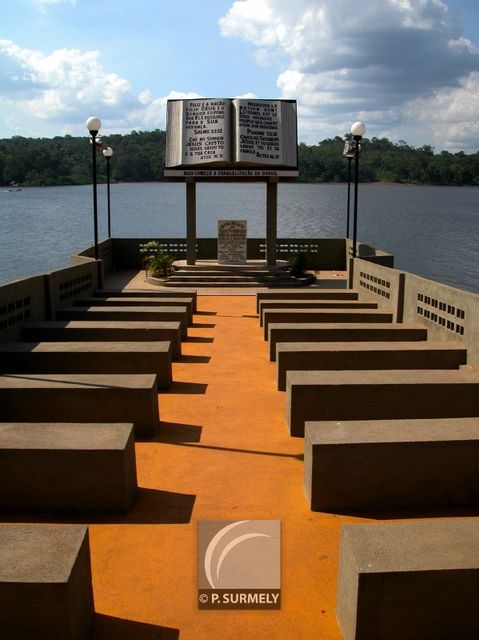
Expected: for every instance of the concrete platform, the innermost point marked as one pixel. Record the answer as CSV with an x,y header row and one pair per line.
x,y
81,398
306,294
409,580
88,357
330,316
149,293
120,314
111,331
356,332
391,464
311,356
312,304
45,582
125,301
379,395
74,467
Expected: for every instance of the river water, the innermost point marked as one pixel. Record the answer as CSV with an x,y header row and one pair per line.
x,y
432,231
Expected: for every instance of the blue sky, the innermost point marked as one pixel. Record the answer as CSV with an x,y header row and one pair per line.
x,y
408,68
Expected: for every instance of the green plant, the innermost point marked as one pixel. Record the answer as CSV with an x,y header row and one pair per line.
x,y
298,263
159,264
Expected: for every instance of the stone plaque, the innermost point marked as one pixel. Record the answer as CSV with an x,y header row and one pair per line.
x,y
232,241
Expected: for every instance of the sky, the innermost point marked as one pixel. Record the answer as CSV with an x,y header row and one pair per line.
x,y
409,69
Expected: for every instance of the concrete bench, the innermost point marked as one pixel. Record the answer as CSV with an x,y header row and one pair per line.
x,y
81,398
276,316
391,464
379,395
111,331
306,294
45,582
124,301
409,580
134,314
311,356
150,293
312,304
74,467
88,357
356,332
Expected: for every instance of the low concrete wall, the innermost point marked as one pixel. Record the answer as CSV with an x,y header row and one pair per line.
x,y
323,253
21,301
448,313
369,253
64,285
380,284
105,254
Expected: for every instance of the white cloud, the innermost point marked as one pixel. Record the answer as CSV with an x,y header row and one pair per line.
x,y
42,5
386,61
64,87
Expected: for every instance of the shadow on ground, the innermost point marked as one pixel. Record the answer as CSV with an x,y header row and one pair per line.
x,y
110,628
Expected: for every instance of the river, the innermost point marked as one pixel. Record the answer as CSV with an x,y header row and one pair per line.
x,y
432,231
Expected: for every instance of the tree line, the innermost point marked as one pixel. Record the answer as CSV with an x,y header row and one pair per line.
x,y
139,157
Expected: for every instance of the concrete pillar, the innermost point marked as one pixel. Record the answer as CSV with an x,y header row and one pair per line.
x,y
190,221
271,219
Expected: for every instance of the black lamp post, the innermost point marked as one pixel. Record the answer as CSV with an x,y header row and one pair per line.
x,y
358,129
93,125
349,153
108,152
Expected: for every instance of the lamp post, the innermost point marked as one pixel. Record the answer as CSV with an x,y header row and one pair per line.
x,y
108,152
93,125
349,153
358,129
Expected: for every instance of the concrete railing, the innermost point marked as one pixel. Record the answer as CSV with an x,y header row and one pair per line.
x,y
447,312
323,253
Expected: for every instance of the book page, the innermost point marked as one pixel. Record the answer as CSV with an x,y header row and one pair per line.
x,y
206,131
174,128
258,131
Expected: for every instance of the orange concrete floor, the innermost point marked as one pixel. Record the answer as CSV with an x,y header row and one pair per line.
x,y
223,453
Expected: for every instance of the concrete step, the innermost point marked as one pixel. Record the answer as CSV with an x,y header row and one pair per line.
x,y
356,332
415,579
111,331
134,314
81,398
46,582
306,294
391,464
124,301
379,395
148,293
74,467
312,304
297,316
88,357
311,356
237,284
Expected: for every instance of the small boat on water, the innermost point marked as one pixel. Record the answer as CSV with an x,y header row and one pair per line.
x,y
14,186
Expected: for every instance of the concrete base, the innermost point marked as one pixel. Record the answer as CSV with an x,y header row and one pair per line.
x,y
150,293
77,330
390,464
350,316
409,580
137,314
311,356
312,304
88,357
75,467
125,301
379,395
306,294
359,332
45,583
81,398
